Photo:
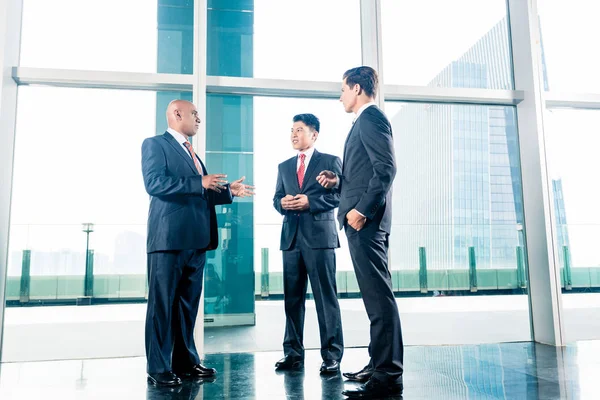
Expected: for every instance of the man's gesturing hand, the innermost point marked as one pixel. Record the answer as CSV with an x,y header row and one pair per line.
x,y
214,182
240,189
327,179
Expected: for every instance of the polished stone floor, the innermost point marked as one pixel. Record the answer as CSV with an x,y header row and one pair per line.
x,y
117,330
490,371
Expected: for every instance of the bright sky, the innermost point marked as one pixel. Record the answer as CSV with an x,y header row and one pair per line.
x,y
420,38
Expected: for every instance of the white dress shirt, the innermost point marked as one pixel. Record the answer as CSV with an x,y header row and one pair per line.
x,y
180,139
309,154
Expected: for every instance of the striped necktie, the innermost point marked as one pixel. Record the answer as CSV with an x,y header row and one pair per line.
x,y
188,145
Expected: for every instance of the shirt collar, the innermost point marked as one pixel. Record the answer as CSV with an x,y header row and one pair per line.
x,y
363,108
308,152
181,139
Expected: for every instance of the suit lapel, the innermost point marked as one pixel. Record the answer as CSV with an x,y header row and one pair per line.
x,y
353,126
312,166
347,139
178,149
204,171
294,173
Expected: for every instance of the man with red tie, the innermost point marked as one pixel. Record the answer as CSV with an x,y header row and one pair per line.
x,y
308,241
182,226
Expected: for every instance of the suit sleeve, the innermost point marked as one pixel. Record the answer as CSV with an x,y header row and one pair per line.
x,y
331,199
156,180
279,193
338,183
376,137
216,199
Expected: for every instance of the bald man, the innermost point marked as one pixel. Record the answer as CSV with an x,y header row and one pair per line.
x,y
182,226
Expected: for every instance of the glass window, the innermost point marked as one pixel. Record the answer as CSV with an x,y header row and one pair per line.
x,y
301,40
250,136
469,245
576,219
78,160
569,32
436,43
109,35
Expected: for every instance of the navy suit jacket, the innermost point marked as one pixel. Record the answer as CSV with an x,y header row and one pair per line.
x,y
182,213
317,224
369,170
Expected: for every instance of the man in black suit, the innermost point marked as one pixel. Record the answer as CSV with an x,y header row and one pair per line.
x,y
182,226
308,239
366,212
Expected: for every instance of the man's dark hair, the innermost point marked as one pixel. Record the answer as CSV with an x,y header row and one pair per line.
x,y
366,77
309,120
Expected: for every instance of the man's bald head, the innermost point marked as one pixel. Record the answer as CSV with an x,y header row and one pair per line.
x,y
182,116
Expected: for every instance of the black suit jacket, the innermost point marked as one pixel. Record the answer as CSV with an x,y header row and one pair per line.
x,y
317,224
369,170
182,213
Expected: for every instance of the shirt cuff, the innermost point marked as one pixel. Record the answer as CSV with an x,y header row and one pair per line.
x,y
361,214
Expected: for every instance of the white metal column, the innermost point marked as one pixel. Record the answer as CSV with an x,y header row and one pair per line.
x,y
10,32
544,279
371,42
199,141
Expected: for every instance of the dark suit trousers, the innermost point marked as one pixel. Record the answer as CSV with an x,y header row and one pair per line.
x,y
369,252
174,288
318,265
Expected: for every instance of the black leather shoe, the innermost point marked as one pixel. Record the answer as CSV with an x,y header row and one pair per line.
x,y
164,379
198,371
330,367
375,389
289,363
361,376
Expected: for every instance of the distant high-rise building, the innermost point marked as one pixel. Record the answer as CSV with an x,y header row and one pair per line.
x,y
459,182
560,221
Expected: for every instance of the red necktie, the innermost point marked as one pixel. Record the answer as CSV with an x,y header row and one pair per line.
x,y
301,170
188,145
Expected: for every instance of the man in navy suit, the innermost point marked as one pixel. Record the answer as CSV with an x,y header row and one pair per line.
x,y
182,226
365,211
308,239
